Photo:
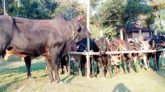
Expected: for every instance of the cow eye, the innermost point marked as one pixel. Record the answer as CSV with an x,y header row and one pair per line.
x,y
79,30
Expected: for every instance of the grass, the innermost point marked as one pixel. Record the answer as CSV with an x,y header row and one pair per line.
x,y
13,79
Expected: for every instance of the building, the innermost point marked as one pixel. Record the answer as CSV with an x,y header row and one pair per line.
x,y
133,31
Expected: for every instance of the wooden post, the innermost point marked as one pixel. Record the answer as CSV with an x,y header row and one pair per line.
x,y
88,65
140,32
88,40
4,8
121,34
155,32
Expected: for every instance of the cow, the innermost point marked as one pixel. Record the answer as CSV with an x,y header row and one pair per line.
x,y
31,38
117,45
82,63
157,42
103,60
121,45
65,61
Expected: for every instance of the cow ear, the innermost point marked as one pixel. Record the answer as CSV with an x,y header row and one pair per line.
x,y
79,29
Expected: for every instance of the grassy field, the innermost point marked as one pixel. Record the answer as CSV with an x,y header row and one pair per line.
x,y
13,79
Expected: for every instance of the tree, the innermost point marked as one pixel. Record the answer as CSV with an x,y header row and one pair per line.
x,y
43,9
113,13
1,9
69,9
159,14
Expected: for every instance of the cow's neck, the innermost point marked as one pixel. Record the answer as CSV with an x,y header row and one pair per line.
x,y
71,28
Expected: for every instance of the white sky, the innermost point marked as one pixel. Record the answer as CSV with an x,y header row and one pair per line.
x,y
84,2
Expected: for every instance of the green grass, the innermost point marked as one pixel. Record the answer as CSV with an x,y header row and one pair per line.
x,y
13,79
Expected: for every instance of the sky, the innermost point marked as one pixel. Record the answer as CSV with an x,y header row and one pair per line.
x,y
84,2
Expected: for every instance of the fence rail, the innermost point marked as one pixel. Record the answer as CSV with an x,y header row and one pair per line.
x,y
87,54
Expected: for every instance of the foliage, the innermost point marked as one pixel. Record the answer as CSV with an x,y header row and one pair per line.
x,y
113,13
94,3
69,10
42,9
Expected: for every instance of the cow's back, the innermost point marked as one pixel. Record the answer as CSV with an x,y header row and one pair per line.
x,y
6,24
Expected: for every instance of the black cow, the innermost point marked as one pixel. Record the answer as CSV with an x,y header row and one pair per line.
x,y
156,42
82,46
32,38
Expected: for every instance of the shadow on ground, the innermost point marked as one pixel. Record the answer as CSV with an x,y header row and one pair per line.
x,y
4,87
22,69
120,87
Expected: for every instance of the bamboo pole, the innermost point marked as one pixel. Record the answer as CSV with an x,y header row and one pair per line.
x,y
88,40
4,8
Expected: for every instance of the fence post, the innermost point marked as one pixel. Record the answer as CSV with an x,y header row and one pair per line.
x,y
121,34
88,40
88,64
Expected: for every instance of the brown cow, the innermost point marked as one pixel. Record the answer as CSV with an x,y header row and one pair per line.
x,y
51,38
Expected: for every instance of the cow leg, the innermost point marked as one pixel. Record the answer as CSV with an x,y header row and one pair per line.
x,y
28,65
56,56
56,69
115,66
125,67
97,68
80,68
142,60
62,67
129,66
110,68
145,61
148,61
117,69
157,61
124,59
50,69
163,56
102,71
92,67
136,63
85,67
72,67
101,68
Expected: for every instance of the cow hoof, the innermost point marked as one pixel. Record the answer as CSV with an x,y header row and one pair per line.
x,y
57,82
53,82
129,72
80,75
60,82
103,78
137,71
30,78
94,77
62,73
146,69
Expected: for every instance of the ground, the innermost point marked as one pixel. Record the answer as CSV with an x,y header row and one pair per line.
x,y
13,79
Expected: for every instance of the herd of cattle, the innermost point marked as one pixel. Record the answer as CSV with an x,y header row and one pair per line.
x,y
56,37
106,61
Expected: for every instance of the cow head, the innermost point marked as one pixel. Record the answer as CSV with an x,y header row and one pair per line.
x,y
117,45
79,29
157,42
102,44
